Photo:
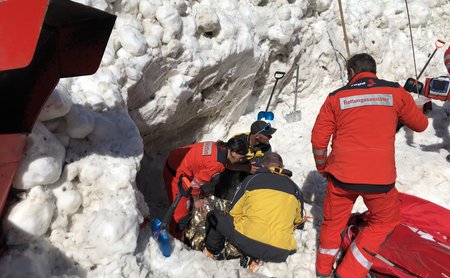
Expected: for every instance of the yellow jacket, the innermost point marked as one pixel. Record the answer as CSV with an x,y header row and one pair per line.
x,y
267,207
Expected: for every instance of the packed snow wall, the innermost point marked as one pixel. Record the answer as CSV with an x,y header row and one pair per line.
x,y
200,65
210,62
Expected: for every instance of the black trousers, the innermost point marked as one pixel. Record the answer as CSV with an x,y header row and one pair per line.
x,y
229,181
220,227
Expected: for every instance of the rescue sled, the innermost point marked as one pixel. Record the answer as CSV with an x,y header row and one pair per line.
x,y
418,247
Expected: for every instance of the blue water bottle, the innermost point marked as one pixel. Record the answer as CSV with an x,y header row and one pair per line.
x,y
161,236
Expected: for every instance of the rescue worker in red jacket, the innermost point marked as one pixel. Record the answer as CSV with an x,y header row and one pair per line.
x,y
361,117
200,163
447,65
447,59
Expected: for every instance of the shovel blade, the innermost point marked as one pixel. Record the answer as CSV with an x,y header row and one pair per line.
x,y
294,116
268,116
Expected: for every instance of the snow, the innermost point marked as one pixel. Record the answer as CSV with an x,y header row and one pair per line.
x,y
57,105
32,216
179,71
42,161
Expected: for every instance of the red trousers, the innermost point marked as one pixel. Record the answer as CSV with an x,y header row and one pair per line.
x,y
182,211
384,211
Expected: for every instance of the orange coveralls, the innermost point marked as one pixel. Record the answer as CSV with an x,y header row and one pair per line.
x,y
199,162
361,118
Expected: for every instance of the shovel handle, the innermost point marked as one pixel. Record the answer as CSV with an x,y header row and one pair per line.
x,y
296,87
184,186
279,74
181,193
439,44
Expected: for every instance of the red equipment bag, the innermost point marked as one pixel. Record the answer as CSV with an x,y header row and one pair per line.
x,y
418,247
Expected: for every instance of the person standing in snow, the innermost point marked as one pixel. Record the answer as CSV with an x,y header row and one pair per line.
x,y
265,211
447,65
258,144
361,118
447,59
201,164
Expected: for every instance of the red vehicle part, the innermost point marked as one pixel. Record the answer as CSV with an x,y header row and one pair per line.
x,y
42,41
71,43
18,44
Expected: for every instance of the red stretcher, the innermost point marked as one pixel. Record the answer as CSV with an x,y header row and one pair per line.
x,y
418,247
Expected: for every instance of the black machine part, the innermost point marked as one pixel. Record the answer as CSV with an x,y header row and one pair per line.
x,y
412,86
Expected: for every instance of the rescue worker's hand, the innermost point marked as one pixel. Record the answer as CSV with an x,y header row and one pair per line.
x,y
253,168
200,204
421,101
262,139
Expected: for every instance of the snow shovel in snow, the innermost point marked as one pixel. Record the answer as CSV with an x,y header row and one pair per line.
x,y
159,230
415,86
295,115
268,115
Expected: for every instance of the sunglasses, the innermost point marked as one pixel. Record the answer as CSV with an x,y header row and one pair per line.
x,y
266,128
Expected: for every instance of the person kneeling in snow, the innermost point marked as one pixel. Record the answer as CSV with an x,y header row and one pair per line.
x,y
265,211
201,164
258,144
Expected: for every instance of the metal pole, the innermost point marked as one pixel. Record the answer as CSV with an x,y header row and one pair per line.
x,y
296,90
343,28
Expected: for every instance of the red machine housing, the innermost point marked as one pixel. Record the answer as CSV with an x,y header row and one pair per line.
x,y
42,41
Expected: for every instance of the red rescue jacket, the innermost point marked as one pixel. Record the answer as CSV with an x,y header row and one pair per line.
x,y
362,118
447,59
199,162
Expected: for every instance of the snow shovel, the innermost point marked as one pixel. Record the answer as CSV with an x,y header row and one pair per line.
x,y
268,115
159,230
415,86
295,115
